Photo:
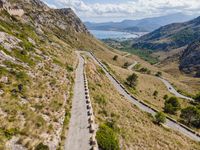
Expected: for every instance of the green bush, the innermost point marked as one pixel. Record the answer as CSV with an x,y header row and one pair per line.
x,y
107,138
191,116
172,105
115,58
132,80
100,99
160,118
197,97
165,97
41,146
158,74
155,93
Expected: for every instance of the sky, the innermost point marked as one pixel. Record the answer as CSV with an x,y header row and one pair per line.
x,y
118,10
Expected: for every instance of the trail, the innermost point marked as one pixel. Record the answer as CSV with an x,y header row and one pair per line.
x,y
78,135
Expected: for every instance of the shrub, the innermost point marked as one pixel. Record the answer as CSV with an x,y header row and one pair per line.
x,y
41,146
191,116
107,138
155,93
160,118
172,105
100,99
158,74
115,58
69,68
132,80
126,64
165,97
197,97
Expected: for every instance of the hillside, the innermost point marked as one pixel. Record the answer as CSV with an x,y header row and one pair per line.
x,y
190,59
140,25
171,36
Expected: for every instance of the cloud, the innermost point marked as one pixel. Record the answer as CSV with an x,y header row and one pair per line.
x,y
130,9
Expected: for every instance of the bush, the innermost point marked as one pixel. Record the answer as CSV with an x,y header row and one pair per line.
x,y
158,74
155,93
115,58
165,97
126,64
41,146
172,105
107,138
191,116
197,97
160,118
100,99
132,80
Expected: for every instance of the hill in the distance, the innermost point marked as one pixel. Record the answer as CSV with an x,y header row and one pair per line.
x,y
143,25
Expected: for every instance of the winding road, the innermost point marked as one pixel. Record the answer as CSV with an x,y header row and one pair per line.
x,y
78,135
169,122
169,86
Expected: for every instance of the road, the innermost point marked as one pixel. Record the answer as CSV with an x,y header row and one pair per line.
x,y
78,135
170,88
173,90
171,124
132,65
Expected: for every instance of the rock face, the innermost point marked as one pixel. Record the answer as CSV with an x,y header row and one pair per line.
x,y
190,59
171,36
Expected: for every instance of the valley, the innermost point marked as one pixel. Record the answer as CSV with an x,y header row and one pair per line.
x,y
63,89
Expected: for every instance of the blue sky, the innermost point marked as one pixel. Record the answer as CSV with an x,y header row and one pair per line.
x,y
117,10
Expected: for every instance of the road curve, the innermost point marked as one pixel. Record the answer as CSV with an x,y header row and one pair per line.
x,y
78,136
169,122
173,90
170,88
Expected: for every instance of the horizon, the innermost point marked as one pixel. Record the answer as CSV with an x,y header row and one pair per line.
x,y
118,10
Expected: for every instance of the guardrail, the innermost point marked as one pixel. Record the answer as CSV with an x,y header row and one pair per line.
x,y
142,102
91,118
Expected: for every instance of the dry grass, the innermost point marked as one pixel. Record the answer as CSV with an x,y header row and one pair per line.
x,y
136,129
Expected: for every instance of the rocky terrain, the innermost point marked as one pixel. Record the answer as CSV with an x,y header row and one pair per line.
x,y
190,59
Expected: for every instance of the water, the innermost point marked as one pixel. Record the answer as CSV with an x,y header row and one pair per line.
x,y
115,34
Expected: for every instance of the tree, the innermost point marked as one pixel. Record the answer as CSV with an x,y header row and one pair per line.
x,y
41,146
172,105
132,80
160,118
191,116
115,58
165,97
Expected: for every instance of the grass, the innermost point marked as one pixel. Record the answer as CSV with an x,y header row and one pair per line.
x,y
136,129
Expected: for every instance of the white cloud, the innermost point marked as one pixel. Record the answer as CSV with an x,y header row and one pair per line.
x,y
131,9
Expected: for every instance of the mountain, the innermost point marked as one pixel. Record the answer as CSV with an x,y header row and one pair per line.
x,y
171,36
37,63
190,59
143,25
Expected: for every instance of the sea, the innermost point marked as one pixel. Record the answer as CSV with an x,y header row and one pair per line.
x,y
100,34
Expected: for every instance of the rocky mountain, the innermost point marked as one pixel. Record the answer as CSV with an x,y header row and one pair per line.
x,y
142,25
37,61
171,36
190,59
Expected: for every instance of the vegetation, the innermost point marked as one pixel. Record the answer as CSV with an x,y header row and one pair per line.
x,y
132,80
155,93
145,70
172,105
115,58
107,138
160,118
126,64
158,74
191,116
41,146
197,97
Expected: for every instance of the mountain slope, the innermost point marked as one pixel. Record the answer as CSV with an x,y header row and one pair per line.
x,y
190,59
171,36
143,25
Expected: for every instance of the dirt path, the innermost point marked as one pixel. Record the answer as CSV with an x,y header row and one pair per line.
x,y
169,122
78,136
132,65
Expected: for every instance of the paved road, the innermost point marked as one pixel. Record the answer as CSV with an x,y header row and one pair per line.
x,y
173,90
78,135
132,65
167,84
171,124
